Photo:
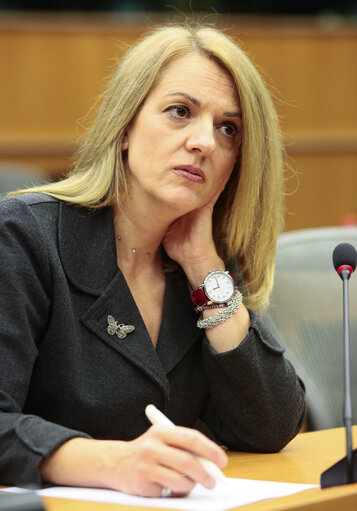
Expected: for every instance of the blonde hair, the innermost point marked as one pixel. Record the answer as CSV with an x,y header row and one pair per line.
x,y
249,213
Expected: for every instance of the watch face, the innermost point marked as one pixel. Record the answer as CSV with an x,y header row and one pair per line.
x,y
219,286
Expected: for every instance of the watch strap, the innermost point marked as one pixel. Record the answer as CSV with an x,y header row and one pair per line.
x,y
199,297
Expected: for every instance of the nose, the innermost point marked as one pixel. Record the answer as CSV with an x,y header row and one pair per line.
x,y
201,138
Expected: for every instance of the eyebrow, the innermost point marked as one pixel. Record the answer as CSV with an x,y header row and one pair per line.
x,y
197,103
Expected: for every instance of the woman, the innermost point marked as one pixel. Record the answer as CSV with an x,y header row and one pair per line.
x,y
105,312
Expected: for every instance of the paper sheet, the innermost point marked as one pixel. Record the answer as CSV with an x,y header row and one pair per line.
x,y
237,492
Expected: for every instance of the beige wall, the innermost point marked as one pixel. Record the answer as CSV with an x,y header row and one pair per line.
x,y
52,69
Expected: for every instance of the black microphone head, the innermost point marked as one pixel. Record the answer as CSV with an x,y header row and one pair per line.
x,y
344,254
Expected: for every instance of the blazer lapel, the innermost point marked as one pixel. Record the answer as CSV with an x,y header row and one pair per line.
x,y
178,331
87,247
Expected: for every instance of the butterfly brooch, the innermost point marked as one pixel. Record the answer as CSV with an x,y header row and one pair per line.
x,y
121,330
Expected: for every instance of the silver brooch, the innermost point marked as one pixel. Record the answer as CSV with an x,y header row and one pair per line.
x,y
121,330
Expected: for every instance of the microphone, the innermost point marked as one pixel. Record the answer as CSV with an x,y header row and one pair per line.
x,y
344,259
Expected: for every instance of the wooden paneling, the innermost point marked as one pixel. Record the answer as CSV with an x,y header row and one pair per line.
x,y
325,188
54,67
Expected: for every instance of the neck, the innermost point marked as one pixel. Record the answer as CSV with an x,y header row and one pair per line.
x,y
138,241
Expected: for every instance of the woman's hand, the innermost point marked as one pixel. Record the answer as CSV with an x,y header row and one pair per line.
x,y
160,458
164,457
189,241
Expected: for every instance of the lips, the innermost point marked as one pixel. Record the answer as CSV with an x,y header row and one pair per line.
x,y
190,172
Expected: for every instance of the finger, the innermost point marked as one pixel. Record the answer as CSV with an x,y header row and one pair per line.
x,y
178,483
173,449
182,463
152,490
163,477
185,444
194,442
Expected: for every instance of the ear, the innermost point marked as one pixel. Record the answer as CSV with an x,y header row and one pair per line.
x,y
125,143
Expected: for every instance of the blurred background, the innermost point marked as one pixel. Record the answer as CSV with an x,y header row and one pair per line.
x,y
55,58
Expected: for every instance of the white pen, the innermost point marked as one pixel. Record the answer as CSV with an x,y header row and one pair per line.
x,y
156,417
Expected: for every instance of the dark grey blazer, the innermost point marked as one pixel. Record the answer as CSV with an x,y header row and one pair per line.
x,y
63,375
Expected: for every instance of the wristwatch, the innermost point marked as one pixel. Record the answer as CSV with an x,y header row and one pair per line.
x,y
218,287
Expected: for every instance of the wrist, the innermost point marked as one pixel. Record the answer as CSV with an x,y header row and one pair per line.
x,y
83,462
197,272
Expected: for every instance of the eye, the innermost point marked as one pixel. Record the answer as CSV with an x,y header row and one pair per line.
x,y
229,129
179,111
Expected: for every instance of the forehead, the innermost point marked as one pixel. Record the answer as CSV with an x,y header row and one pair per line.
x,y
197,74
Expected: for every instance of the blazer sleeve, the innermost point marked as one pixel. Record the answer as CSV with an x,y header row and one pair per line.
x,y
257,401
25,297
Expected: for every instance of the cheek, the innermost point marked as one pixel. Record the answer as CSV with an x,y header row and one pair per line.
x,y
229,155
228,168
135,132
227,171
225,178
233,160
137,143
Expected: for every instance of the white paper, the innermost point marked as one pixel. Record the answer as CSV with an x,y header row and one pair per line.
x,y
237,492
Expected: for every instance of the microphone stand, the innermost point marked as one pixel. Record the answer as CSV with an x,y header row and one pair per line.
x,y
347,406
345,470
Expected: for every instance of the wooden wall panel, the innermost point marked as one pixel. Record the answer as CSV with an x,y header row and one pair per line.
x,y
316,74
323,190
53,68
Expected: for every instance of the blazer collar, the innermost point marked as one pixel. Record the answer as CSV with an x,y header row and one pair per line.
x,y
87,246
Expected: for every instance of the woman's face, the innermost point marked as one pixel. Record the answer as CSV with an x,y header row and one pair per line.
x,y
185,140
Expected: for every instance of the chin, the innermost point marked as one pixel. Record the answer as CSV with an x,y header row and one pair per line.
x,y
189,198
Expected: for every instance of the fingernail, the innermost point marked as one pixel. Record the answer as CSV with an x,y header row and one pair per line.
x,y
210,482
222,460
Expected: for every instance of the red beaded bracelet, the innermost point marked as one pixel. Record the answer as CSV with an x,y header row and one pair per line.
x,y
206,306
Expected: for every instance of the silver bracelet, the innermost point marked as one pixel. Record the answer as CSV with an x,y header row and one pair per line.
x,y
223,315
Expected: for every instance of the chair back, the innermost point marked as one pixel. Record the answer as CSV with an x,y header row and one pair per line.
x,y
14,176
306,316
